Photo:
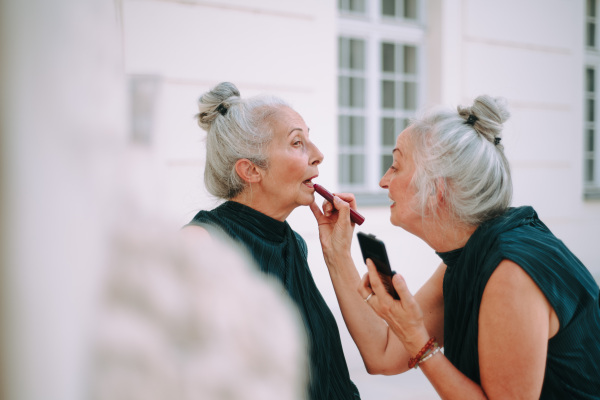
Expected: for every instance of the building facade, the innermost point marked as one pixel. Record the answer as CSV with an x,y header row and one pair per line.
x,y
356,70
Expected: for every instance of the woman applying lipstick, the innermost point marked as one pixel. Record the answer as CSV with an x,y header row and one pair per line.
x,y
261,161
514,309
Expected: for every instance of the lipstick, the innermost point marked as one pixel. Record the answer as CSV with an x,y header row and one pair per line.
x,y
354,215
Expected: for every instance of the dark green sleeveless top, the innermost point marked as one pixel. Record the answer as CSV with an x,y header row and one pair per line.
x,y
573,363
282,253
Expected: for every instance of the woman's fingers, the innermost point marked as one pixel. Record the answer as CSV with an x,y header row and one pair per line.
x,y
364,289
375,280
348,198
342,207
327,208
316,211
401,287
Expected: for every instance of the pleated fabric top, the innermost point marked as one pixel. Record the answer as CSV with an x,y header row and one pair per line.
x,y
282,253
573,363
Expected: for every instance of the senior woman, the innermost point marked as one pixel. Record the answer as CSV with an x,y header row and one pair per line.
x,y
260,160
516,312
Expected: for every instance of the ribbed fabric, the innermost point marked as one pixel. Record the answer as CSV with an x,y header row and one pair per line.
x,y
573,364
282,253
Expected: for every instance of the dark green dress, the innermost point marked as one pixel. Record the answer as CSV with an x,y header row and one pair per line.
x,y
282,253
573,363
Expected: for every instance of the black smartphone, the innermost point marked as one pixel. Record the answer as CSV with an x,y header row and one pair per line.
x,y
373,248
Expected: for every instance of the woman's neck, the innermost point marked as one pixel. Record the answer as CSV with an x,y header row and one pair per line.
x,y
445,234
262,205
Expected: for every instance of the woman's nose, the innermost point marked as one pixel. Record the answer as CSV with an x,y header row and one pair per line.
x,y
383,183
317,156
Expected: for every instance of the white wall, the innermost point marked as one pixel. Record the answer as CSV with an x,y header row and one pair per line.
x,y
64,134
527,51
284,48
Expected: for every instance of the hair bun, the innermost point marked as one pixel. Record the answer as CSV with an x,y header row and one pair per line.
x,y
216,102
489,114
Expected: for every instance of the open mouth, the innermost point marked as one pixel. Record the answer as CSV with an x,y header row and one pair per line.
x,y
309,182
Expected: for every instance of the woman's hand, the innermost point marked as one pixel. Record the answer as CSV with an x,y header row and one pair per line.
x,y
403,316
335,226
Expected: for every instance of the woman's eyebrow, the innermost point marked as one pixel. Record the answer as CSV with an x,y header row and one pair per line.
x,y
298,129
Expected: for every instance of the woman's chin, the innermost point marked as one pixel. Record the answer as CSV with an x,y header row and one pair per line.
x,y
306,200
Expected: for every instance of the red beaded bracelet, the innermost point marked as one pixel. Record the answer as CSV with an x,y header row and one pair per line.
x,y
414,361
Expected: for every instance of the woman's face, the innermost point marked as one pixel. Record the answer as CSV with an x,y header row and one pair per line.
x,y
293,162
397,180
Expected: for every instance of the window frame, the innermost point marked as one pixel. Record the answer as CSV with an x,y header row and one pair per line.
x,y
374,29
591,150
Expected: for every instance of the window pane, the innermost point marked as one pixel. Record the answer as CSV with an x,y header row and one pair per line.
x,y
357,92
410,9
351,168
590,110
388,7
388,94
589,170
357,131
357,54
386,162
344,91
589,143
410,96
342,53
388,131
591,8
357,168
343,130
590,80
410,60
591,34
344,167
405,124
351,130
388,57
357,6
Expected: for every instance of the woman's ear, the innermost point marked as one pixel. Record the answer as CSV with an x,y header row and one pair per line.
x,y
440,191
248,171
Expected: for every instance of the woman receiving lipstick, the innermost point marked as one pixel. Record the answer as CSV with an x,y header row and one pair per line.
x,y
260,160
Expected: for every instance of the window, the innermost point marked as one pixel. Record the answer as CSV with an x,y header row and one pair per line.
x,y
379,87
352,6
591,155
399,8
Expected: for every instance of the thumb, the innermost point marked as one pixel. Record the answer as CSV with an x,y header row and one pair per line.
x,y
342,207
401,287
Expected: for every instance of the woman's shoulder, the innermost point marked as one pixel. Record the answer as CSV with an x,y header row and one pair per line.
x,y
301,243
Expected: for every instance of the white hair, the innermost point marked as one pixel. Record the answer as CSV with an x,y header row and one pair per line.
x,y
236,129
460,154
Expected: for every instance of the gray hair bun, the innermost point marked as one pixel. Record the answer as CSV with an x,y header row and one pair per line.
x,y
236,129
216,103
487,116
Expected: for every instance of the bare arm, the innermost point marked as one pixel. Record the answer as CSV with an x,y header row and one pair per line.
x,y
515,323
381,350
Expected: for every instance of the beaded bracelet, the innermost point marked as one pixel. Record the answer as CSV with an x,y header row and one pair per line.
x,y
428,356
430,345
